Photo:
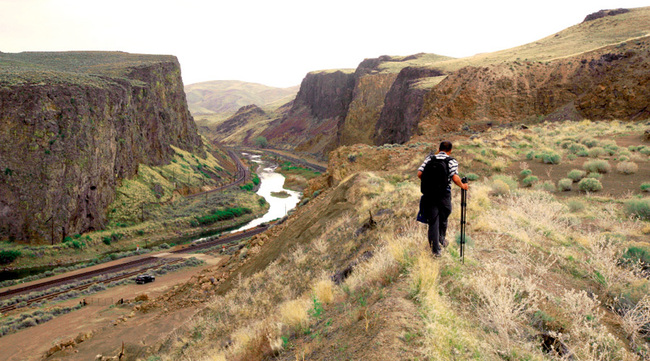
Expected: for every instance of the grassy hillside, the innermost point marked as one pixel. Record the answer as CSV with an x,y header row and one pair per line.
x,y
580,38
549,274
227,96
72,66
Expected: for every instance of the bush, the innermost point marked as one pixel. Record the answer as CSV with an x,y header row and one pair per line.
x,y
596,152
594,175
627,167
500,188
222,215
638,208
529,181
576,175
8,256
508,180
590,185
600,166
546,186
576,148
261,142
525,173
565,184
551,158
472,177
645,187
590,142
637,254
575,206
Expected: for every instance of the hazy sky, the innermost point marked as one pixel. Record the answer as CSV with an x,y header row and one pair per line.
x,y
276,42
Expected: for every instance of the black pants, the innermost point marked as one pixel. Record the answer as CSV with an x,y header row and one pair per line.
x,y
440,211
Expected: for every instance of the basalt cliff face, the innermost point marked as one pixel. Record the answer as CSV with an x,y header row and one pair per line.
x,y
345,107
72,125
606,84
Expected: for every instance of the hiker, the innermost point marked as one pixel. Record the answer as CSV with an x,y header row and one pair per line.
x,y
437,172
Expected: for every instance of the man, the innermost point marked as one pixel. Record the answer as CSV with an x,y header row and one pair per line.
x,y
435,206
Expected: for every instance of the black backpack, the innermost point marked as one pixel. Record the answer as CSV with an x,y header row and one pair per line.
x,y
435,177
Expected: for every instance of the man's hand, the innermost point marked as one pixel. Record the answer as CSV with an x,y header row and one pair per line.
x,y
459,182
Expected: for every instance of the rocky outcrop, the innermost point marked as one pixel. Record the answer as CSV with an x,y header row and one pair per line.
x,y
311,123
242,117
400,114
603,13
342,108
69,134
610,83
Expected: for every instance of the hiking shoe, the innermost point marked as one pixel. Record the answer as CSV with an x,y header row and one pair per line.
x,y
444,242
437,255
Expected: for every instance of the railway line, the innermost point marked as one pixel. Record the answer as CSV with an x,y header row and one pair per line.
x,y
118,268
241,177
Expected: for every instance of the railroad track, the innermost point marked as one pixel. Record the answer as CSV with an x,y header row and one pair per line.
x,y
241,175
88,285
124,266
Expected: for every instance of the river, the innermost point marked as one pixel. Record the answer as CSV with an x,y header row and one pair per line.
x,y
271,182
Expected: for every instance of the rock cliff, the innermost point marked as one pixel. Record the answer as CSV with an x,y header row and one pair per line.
x,y
312,122
72,125
608,83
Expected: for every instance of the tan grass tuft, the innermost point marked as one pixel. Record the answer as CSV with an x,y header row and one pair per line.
x,y
324,290
294,313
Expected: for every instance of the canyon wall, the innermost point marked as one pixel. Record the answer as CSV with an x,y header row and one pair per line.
x,y
72,125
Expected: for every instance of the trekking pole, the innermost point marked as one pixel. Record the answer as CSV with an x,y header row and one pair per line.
x,y
463,218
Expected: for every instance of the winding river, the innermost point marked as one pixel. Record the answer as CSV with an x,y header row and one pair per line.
x,y
271,181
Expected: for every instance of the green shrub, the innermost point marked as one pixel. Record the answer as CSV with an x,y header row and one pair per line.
x,y
548,186
590,142
582,153
508,180
500,187
571,157
565,184
575,148
525,173
627,167
576,175
261,142
551,158
248,187
106,240
575,206
594,175
221,215
530,155
529,181
645,150
256,179
596,152
645,187
8,256
638,208
600,166
590,185
472,177
636,254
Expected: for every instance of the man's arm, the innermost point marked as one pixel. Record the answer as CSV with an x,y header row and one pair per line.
x,y
459,183
420,174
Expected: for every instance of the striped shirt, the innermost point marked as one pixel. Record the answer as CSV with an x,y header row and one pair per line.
x,y
453,164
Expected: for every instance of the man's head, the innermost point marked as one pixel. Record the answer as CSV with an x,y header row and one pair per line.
x,y
445,146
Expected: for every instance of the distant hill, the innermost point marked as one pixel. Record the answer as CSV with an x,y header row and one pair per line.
x,y
227,96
